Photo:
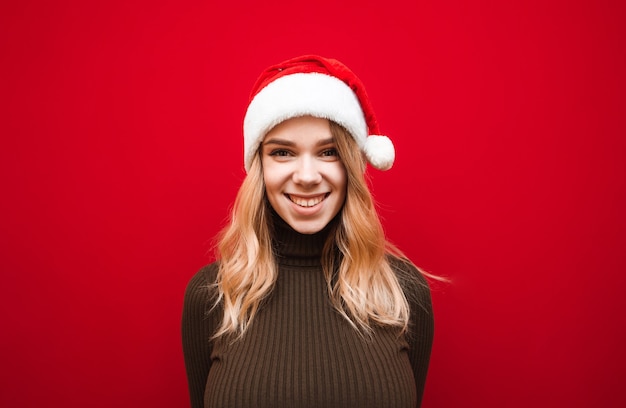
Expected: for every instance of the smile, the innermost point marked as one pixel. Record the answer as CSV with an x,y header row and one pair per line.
x,y
307,201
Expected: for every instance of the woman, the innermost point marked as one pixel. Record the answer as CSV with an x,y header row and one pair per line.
x,y
308,304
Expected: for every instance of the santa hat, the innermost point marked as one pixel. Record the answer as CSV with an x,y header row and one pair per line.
x,y
319,87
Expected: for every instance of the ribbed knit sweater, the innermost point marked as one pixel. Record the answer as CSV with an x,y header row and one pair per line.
x,y
299,351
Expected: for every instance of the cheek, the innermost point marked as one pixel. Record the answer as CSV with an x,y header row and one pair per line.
x,y
269,186
341,178
344,182
338,177
266,171
272,179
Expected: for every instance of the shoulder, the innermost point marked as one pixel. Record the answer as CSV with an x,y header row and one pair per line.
x,y
411,279
415,287
207,275
201,284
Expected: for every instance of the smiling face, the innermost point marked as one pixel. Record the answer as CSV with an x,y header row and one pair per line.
x,y
305,181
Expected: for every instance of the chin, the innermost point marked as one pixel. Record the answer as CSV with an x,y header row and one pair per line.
x,y
308,228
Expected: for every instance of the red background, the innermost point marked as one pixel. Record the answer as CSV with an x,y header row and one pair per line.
x,y
121,154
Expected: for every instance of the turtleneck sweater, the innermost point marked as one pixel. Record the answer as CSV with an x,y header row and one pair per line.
x,y
299,351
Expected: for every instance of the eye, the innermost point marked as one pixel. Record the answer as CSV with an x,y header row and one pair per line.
x,y
280,152
330,152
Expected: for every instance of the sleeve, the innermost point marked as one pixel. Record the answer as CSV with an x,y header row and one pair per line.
x,y
197,328
421,324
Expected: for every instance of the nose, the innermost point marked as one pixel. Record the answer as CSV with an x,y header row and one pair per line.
x,y
307,172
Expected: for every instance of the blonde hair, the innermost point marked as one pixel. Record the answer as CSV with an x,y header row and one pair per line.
x,y
361,283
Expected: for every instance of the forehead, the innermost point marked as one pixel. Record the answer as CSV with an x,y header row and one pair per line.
x,y
303,130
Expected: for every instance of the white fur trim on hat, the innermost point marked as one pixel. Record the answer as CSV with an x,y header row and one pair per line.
x,y
302,94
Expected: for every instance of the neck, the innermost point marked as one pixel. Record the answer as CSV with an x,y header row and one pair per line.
x,y
292,247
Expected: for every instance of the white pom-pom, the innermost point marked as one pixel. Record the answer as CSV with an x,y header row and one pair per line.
x,y
379,151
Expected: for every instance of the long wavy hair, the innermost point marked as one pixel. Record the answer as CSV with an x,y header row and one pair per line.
x,y
361,283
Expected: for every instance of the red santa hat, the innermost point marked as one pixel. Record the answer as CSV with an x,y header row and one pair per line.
x,y
319,87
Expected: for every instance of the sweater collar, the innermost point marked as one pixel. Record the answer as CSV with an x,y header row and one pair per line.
x,y
294,248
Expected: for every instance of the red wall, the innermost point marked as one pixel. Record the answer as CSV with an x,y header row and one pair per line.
x,y
121,153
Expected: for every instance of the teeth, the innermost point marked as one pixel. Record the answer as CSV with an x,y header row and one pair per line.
x,y
304,202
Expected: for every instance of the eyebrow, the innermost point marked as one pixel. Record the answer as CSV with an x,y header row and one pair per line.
x,y
283,142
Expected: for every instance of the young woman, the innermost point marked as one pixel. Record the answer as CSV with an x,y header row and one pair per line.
x,y
308,305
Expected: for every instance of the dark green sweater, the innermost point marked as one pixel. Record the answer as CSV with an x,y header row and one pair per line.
x,y
299,352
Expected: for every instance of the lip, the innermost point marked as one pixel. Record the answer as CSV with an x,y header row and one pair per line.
x,y
306,203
